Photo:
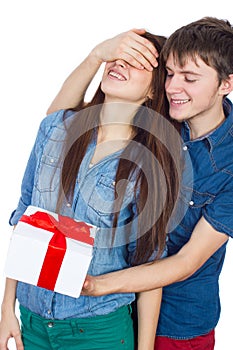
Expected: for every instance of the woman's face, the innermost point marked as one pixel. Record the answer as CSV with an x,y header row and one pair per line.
x,y
122,82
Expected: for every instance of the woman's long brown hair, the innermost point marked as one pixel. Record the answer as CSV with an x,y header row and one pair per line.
x,y
159,190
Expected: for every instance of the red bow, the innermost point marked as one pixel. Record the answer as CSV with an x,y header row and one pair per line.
x,y
64,227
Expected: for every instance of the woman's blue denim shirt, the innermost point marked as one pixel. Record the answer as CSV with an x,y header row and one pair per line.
x,y
93,199
192,307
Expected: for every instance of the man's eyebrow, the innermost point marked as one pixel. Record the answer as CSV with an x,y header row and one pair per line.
x,y
185,71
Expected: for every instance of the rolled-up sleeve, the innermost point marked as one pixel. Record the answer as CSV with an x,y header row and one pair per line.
x,y
219,213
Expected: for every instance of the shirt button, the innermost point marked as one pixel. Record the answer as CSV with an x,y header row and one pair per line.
x,y
50,324
68,205
49,312
185,148
191,203
114,183
51,160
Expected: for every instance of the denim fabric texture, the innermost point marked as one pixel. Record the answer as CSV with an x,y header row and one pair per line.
x,y
189,308
192,307
93,202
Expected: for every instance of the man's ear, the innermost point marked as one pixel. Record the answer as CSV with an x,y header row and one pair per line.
x,y
227,85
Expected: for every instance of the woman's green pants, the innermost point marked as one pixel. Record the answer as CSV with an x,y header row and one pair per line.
x,y
113,331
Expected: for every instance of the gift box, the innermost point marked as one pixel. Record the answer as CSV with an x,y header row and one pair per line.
x,y
51,251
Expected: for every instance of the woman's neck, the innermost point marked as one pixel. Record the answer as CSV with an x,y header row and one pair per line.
x,y
116,121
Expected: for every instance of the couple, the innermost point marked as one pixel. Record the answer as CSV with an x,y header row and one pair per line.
x,y
121,171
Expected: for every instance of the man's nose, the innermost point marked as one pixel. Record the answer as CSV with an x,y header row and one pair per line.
x,y
173,84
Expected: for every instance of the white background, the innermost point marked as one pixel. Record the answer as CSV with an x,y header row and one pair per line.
x,y
41,43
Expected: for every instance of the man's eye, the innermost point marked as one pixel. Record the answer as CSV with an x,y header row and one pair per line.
x,y
189,80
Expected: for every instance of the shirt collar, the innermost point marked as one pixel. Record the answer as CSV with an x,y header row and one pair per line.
x,y
216,136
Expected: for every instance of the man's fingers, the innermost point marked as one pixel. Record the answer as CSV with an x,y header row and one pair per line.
x,y
138,31
145,44
141,52
131,47
138,60
88,286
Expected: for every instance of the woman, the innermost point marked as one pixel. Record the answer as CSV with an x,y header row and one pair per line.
x,y
109,168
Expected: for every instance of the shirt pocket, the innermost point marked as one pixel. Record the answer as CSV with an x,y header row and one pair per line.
x,y
48,174
197,199
193,204
102,200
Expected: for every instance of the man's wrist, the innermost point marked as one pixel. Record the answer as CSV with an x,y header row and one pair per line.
x,y
109,283
94,57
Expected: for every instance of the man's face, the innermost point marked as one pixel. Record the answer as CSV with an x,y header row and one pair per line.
x,y
192,90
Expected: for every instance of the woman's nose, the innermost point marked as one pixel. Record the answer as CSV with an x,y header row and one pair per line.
x,y
121,63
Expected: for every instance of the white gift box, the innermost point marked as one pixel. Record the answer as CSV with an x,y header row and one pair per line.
x,y
50,251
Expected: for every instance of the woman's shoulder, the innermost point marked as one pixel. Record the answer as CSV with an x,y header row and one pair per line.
x,y
56,119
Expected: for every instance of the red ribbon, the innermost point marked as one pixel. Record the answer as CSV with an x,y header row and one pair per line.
x,y
64,227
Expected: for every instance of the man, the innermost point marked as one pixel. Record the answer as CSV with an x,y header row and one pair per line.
x,y
199,77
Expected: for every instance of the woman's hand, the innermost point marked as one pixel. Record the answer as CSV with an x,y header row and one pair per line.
x,y
9,327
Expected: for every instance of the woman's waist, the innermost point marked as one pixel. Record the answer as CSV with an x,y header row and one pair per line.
x,y
52,305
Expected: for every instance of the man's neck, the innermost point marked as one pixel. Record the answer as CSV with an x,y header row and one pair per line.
x,y
203,126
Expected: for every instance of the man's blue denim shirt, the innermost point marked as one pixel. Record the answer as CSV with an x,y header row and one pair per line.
x,y
93,199
192,307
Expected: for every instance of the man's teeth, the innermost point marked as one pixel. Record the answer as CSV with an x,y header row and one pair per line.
x,y
116,75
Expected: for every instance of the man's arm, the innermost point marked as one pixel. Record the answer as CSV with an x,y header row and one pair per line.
x,y
129,46
204,242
